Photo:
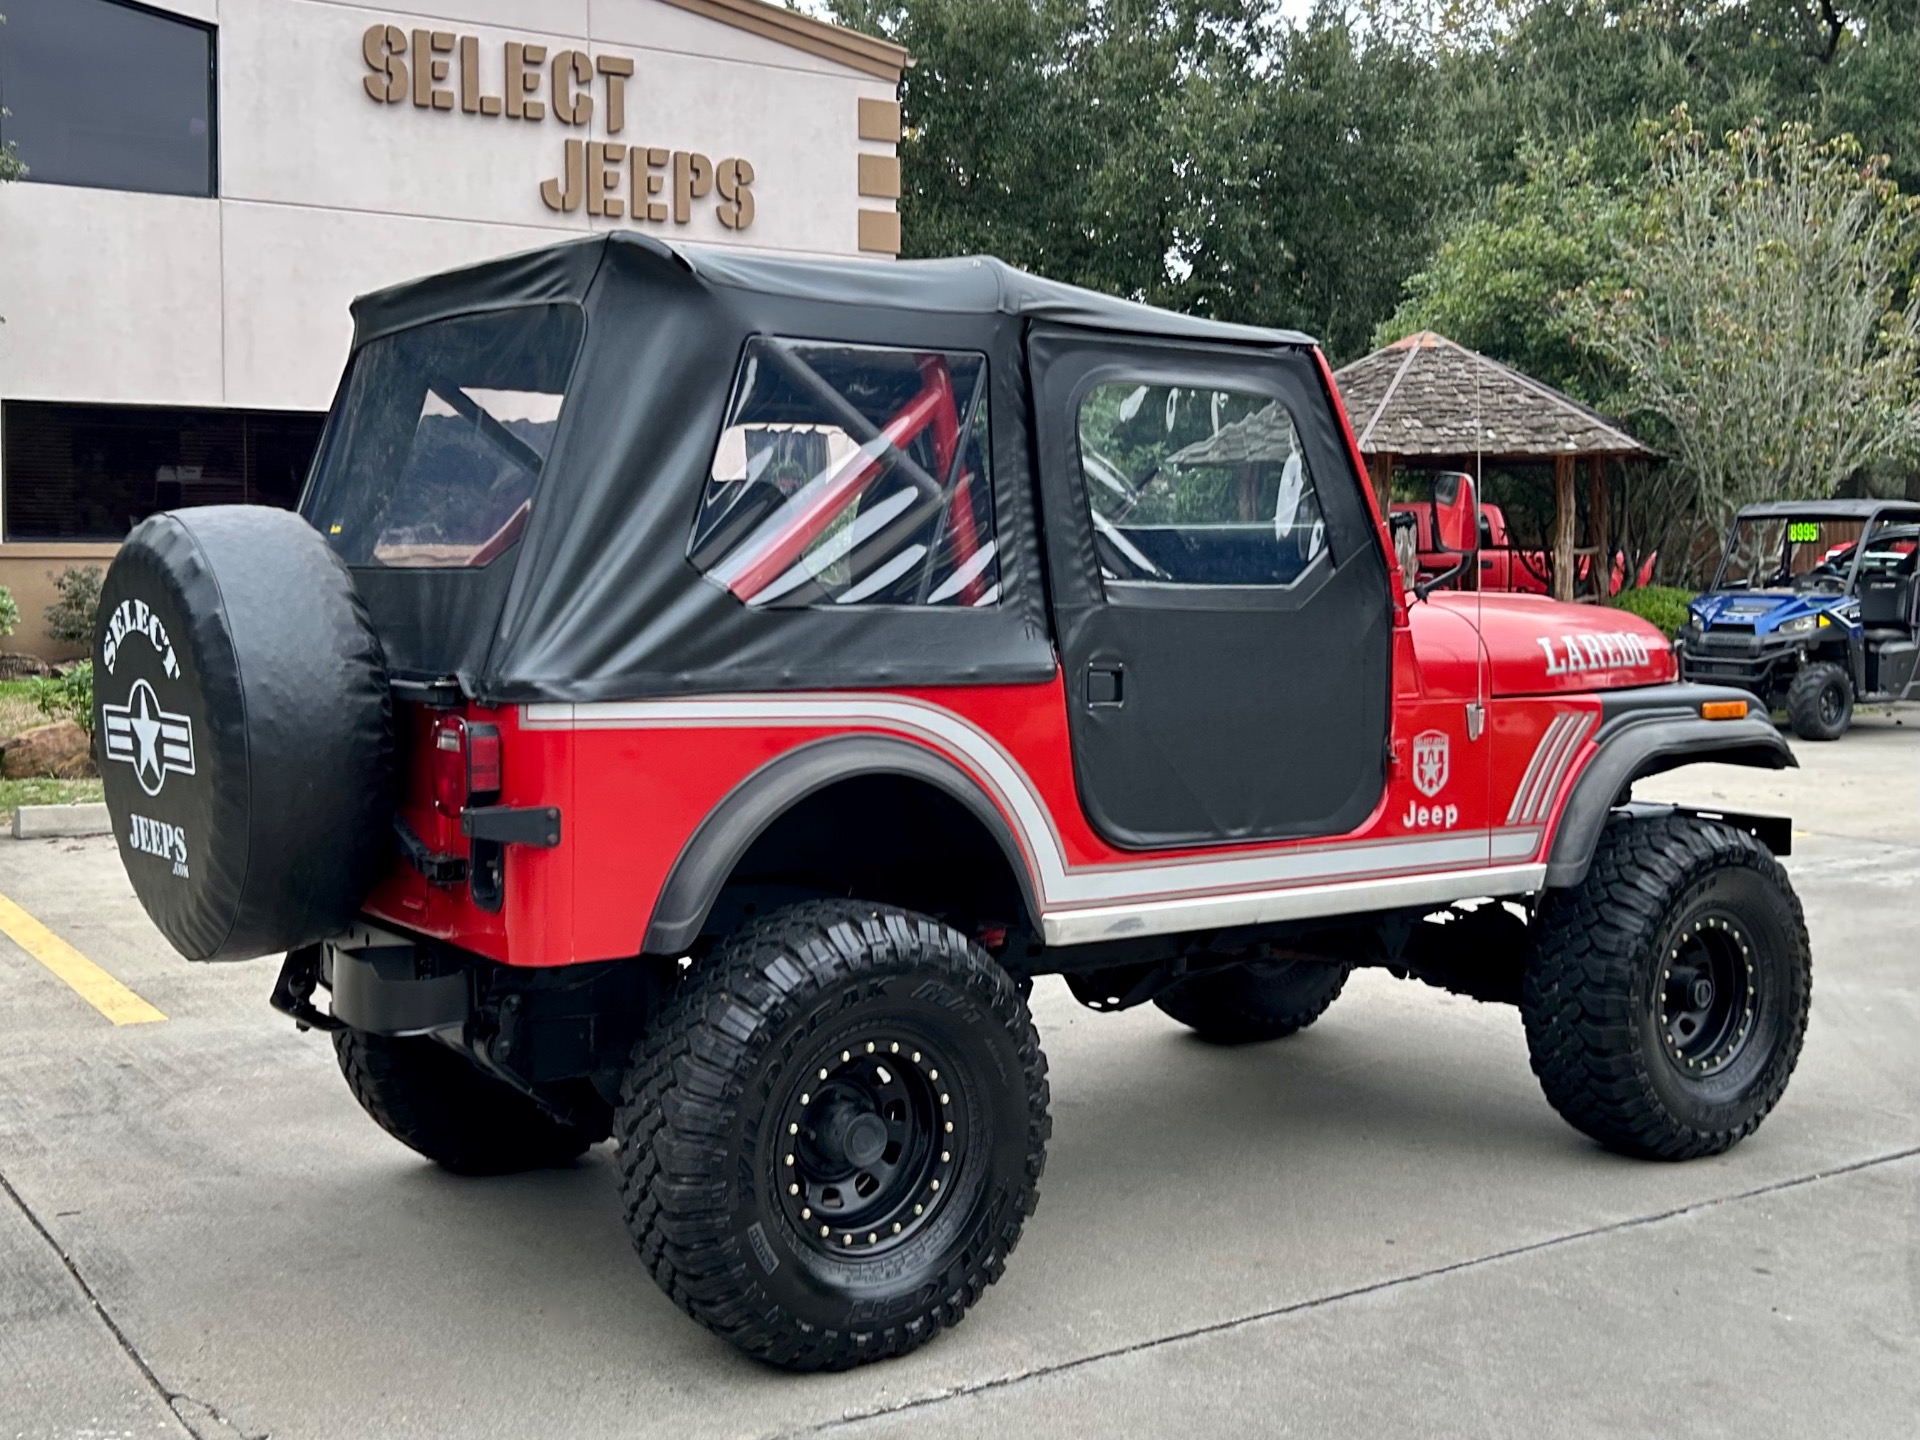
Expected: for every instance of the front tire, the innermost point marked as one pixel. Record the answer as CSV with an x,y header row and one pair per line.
x,y
1254,1001
831,1137
1666,997
435,1101
1820,702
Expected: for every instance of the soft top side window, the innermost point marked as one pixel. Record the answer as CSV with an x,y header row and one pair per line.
x,y
1197,486
851,475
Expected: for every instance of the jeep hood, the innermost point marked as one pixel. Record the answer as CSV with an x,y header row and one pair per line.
x,y
1537,646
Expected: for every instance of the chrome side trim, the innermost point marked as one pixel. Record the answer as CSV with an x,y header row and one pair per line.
x,y
1300,902
1116,898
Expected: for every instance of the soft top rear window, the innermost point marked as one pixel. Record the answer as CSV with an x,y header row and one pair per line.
x,y
439,438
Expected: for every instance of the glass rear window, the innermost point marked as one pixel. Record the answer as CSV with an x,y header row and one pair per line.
x,y
438,442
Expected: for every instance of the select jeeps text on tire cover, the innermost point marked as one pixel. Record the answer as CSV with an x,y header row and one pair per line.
x,y
700,693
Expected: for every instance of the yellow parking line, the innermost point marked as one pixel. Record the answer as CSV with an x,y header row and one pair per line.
x,y
83,977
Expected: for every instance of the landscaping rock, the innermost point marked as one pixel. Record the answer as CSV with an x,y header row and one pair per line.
x,y
15,666
59,750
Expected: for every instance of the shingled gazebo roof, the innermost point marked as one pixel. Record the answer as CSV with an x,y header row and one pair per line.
x,y
1266,434
1427,396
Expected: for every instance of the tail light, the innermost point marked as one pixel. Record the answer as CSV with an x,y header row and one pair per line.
x,y
466,764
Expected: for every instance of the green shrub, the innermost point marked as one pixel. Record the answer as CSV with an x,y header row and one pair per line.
x,y
68,696
70,618
9,612
1663,605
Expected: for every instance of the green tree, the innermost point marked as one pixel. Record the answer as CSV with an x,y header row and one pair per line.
x,y
1769,320
1506,283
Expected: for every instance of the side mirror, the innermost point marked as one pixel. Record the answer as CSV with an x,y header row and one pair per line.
x,y
1456,513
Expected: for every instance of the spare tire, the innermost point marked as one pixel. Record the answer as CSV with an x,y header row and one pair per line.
x,y
244,730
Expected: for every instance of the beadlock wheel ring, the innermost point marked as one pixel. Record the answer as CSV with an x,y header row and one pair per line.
x,y
869,1139
1706,997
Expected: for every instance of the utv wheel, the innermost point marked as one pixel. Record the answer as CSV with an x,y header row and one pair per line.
x,y
831,1137
1666,997
434,1101
1257,1000
1820,702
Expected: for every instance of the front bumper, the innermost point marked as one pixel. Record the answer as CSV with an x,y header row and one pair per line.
x,y
1759,664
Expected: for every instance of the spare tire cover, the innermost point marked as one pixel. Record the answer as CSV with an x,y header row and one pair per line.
x,y
244,730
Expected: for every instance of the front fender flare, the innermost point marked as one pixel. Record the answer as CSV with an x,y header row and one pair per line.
x,y
704,863
1646,740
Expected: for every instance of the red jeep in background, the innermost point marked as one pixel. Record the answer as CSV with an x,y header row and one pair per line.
x,y
1503,566
701,692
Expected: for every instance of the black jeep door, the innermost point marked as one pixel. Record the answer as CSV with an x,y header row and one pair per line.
x,y
1219,593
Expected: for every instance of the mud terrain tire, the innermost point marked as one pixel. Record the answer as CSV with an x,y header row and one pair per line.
x,y
784,1168
1629,1044
1246,1004
244,730
1820,702
437,1102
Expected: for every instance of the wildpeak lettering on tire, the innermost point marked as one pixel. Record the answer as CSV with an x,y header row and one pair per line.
x,y
701,693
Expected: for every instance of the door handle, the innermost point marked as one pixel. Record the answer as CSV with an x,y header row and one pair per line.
x,y
1105,686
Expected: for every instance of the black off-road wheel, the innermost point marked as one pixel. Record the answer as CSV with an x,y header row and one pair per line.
x,y
432,1100
1254,1001
1666,997
831,1137
1820,702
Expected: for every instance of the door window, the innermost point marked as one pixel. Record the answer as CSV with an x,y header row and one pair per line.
x,y
1196,486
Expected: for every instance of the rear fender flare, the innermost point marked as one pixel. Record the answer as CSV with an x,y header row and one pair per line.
x,y
1634,746
724,837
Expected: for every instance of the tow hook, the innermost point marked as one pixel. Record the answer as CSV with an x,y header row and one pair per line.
x,y
293,991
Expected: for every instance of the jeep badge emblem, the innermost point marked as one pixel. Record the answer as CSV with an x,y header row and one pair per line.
x,y
1431,753
152,740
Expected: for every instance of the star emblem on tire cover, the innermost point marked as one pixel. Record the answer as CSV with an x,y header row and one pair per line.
x,y
155,741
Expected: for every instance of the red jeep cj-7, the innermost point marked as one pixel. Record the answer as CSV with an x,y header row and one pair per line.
x,y
700,692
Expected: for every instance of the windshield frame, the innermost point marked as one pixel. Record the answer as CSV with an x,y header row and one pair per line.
x,y
331,431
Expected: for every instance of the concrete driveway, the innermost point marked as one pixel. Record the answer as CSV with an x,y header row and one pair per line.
x,y
1377,1227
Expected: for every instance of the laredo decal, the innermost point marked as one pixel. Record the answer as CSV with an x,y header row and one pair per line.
x,y
152,740
1613,650
134,617
1432,762
156,837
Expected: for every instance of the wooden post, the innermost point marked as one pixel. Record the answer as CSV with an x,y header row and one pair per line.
x,y
1597,524
1563,520
1380,476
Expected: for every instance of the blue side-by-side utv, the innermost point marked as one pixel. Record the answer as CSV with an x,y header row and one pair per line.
x,y
1815,605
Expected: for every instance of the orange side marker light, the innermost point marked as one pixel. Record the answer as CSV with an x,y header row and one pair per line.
x,y
1723,710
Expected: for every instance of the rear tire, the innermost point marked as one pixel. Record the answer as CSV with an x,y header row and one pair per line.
x,y
1820,702
1255,1001
1666,998
832,1135
434,1101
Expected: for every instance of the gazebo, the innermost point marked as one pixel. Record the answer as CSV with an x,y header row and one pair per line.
x,y
1426,400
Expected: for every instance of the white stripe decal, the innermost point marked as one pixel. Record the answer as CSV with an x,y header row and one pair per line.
x,y
1160,895
1562,765
1533,769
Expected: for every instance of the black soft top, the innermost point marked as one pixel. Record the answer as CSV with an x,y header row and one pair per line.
x,y
1830,510
598,599
967,285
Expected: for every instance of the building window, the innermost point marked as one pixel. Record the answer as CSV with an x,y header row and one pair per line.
x,y
108,94
852,475
1194,486
92,472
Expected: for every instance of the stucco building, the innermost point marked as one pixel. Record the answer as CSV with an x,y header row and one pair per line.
x,y
212,181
